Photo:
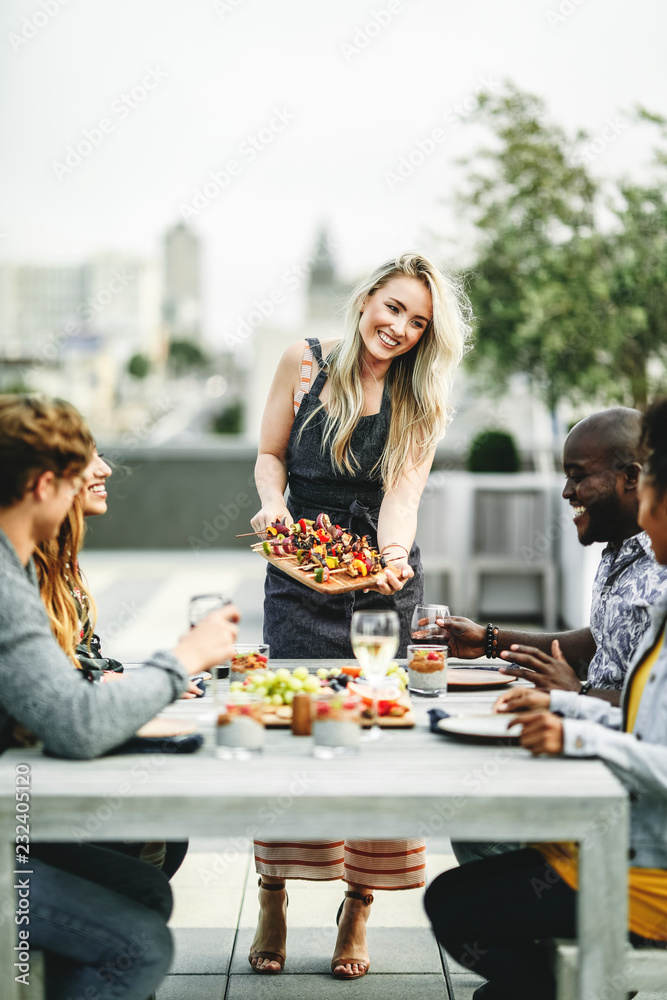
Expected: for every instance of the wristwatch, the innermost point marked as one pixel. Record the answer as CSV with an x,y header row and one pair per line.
x,y
585,687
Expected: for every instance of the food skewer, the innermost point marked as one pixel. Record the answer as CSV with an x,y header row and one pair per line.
x,y
247,534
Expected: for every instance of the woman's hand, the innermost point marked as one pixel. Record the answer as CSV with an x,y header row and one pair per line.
x,y
522,700
210,642
396,575
270,513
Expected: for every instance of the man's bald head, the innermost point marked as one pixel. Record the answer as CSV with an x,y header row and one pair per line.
x,y
616,433
601,460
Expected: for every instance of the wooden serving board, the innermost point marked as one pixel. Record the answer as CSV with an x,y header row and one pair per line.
x,y
338,584
284,721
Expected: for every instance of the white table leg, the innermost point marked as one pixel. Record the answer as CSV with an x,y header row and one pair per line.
x,y
602,907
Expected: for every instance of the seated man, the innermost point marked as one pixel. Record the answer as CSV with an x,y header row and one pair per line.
x,y
490,909
601,460
100,917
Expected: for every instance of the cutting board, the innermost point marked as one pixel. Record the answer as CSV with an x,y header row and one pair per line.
x,y
338,583
284,720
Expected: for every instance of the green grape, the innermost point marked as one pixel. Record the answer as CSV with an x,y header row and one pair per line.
x,y
288,697
267,700
311,685
322,672
236,686
261,691
269,676
300,673
282,674
277,699
295,684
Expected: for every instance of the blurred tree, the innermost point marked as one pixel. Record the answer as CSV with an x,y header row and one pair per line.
x,y
138,366
638,254
493,451
186,355
579,310
229,420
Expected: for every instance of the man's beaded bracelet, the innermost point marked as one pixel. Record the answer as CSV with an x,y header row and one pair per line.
x,y
491,643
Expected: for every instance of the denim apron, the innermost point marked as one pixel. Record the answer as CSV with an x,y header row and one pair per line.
x,y
303,623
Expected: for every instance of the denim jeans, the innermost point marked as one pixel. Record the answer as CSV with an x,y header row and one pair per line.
x,y
101,919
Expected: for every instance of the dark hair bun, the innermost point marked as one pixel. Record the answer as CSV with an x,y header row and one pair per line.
x,y
654,439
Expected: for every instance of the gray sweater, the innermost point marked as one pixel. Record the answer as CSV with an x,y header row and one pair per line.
x,y
40,688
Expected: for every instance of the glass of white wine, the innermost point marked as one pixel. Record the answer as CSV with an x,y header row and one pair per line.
x,y
375,636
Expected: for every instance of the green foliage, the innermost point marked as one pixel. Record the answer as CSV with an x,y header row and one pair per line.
x,y
186,356
582,311
229,420
138,366
16,387
493,451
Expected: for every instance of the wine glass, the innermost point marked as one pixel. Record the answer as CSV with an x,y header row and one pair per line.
x,y
423,627
375,636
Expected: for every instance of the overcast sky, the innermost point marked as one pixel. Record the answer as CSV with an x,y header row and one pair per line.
x,y
315,102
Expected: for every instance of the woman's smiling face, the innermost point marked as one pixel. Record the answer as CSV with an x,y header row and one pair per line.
x,y
94,492
394,317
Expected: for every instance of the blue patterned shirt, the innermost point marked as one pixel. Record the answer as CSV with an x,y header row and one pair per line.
x,y
628,581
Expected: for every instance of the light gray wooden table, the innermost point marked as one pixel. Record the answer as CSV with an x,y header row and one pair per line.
x,y
416,784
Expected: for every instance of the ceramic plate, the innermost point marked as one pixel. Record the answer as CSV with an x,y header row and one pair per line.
x,y
482,727
470,677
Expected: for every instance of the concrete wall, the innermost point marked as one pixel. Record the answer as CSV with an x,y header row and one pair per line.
x,y
178,498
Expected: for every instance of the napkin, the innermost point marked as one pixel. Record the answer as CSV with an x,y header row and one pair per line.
x,y
435,714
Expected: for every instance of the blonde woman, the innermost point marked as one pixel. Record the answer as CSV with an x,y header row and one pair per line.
x,y
351,427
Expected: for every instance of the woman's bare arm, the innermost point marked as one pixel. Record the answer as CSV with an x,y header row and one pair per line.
x,y
398,522
271,468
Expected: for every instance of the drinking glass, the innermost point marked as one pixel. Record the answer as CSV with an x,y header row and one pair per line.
x,y
199,606
375,636
202,604
423,627
239,728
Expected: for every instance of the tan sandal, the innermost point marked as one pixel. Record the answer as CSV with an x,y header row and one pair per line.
x,y
271,956
343,960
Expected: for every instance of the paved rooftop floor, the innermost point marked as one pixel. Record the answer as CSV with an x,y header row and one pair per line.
x,y
142,599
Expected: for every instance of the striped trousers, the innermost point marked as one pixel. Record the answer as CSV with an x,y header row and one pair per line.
x,y
375,864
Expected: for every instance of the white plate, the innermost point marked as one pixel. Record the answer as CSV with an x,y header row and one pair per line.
x,y
486,727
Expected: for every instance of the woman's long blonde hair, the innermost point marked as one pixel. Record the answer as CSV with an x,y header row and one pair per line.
x,y
420,381
58,573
